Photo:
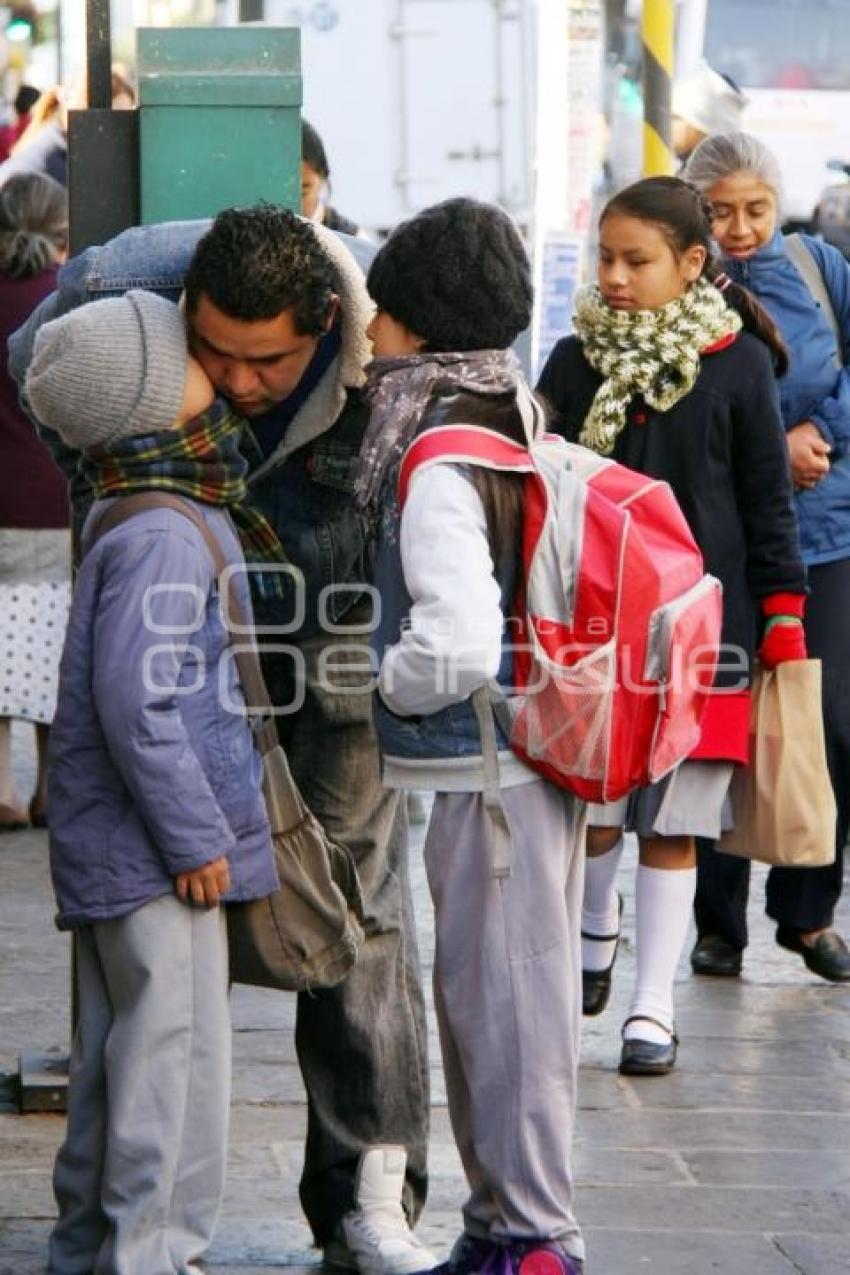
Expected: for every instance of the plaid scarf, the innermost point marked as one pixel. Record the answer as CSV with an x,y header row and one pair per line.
x,y
655,353
200,460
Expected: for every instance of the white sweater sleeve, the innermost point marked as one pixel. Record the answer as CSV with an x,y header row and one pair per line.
x,y
452,644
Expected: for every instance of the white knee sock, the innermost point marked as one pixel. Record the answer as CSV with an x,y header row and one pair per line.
x,y
600,913
663,901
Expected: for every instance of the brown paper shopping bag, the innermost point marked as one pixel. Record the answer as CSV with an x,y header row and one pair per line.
x,y
782,802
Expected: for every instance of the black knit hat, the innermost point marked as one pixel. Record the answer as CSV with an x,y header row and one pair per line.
x,y
456,275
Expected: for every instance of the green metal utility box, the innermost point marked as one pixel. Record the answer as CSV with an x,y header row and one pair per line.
x,y
220,119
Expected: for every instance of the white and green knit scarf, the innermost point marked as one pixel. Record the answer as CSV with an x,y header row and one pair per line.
x,y
654,353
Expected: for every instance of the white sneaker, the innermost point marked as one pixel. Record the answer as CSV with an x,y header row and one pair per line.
x,y
374,1238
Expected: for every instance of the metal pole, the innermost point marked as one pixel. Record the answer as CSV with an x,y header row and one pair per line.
x,y
60,65
657,34
690,36
98,54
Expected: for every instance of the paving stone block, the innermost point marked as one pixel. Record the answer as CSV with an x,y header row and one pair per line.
x,y
714,1130
710,1208
660,1252
689,1090
824,1170
815,1254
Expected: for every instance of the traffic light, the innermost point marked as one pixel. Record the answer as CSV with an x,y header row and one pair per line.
x,y
21,24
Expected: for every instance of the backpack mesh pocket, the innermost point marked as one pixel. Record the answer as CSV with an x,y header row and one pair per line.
x,y
565,719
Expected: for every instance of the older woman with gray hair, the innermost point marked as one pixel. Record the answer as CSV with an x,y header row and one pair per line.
x,y
35,549
804,284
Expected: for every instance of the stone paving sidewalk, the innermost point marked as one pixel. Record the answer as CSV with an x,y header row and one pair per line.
x,y
739,1162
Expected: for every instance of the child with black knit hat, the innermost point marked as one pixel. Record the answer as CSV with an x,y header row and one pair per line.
x,y
453,291
155,809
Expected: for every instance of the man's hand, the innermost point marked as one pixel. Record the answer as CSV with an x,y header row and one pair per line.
x,y
809,452
205,885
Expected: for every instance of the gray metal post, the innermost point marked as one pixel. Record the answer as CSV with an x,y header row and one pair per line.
x,y
98,54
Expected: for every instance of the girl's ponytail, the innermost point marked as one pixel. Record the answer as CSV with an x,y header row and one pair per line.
x,y
755,318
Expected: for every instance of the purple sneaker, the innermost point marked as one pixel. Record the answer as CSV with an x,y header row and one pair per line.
x,y
469,1255
546,1257
473,1256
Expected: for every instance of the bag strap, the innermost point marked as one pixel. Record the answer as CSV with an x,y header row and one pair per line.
x,y
260,710
806,265
501,849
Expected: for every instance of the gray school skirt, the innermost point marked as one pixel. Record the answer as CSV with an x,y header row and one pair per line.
x,y
692,801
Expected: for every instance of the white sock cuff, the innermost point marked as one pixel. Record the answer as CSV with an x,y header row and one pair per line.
x,y
600,878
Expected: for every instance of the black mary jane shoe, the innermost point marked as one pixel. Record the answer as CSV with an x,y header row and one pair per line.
x,y
828,956
647,1057
596,984
714,956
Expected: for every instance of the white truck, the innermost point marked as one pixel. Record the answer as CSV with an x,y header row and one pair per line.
x,y
418,100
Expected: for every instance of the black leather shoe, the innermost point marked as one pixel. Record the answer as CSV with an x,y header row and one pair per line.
x,y
646,1057
596,984
828,956
713,955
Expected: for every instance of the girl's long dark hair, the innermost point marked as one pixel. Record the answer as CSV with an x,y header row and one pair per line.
x,y
502,497
684,217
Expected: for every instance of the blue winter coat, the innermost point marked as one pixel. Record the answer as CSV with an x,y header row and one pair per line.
x,y
153,771
813,388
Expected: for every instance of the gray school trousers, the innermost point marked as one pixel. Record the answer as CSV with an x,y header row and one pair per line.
x,y
507,990
140,1175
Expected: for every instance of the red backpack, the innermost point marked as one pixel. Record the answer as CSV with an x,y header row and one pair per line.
x,y
619,626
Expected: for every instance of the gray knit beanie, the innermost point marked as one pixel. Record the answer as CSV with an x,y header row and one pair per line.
x,y
110,369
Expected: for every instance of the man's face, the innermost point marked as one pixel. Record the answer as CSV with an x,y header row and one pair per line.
x,y
255,365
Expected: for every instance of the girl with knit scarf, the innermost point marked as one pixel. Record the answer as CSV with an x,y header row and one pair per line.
x,y
672,372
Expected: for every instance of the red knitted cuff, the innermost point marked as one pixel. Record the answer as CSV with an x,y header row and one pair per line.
x,y
784,604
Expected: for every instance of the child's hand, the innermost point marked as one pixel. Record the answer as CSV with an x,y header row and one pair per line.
x,y
205,885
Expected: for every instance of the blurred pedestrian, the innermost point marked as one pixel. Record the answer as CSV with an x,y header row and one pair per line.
x,y
705,102
808,297
35,544
25,99
661,376
43,146
156,811
122,89
316,184
453,291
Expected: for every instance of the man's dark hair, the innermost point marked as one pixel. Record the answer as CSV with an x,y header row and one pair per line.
x,y
254,263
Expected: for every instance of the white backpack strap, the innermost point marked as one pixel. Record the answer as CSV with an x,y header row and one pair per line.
x,y
531,414
502,847
805,264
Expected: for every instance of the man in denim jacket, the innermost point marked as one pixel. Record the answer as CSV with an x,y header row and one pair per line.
x,y
277,311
